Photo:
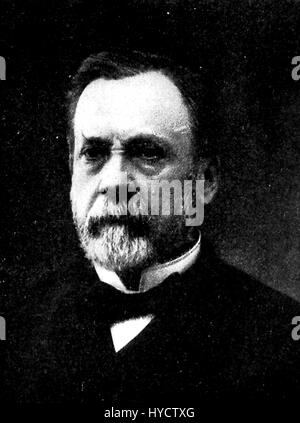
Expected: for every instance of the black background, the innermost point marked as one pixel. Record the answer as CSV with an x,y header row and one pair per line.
x,y
247,48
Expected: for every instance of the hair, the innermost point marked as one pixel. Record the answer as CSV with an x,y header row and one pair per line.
x,y
191,82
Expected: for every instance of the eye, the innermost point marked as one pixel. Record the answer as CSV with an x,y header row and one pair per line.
x,y
95,152
148,152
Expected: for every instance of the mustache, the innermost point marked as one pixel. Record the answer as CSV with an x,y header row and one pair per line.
x,y
136,225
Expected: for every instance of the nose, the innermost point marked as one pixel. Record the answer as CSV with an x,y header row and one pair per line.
x,y
115,176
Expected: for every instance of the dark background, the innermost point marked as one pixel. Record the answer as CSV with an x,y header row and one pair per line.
x,y
246,47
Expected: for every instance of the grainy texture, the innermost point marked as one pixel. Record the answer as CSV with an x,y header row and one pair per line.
x,y
246,48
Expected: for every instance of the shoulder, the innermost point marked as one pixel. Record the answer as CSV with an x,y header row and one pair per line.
x,y
248,328
43,329
238,289
244,291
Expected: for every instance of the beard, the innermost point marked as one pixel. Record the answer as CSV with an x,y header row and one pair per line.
x,y
115,240
115,247
121,241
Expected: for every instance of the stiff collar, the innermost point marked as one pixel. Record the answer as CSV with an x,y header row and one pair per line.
x,y
153,275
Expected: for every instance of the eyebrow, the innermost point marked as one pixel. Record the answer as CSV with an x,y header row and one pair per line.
x,y
141,137
96,139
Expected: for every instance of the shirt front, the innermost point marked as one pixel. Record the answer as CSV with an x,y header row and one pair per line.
x,y
123,332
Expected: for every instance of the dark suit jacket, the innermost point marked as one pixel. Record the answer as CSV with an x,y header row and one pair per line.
x,y
217,333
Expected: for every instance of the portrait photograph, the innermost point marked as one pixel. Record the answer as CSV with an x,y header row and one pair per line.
x,y
150,213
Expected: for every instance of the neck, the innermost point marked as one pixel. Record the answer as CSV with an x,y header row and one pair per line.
x,y
142,278
132,275
179,244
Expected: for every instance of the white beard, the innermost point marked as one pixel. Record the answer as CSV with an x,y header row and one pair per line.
x,y
115,249
113,246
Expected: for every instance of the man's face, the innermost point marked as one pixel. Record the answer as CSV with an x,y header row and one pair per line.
x,y
136,128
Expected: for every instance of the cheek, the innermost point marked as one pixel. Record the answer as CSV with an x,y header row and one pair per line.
x,y
82,193
182,166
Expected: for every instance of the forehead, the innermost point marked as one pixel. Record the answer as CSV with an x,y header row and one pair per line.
x,y
146,102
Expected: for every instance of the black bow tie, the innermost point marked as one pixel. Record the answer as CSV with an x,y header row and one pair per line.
x,y
104,303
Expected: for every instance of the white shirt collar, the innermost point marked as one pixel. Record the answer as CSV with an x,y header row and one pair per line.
x,y
153,275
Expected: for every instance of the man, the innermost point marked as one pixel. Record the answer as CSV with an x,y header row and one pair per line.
x,y
157,317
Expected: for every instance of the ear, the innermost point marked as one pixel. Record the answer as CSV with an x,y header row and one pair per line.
x,y
210,172
71,160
